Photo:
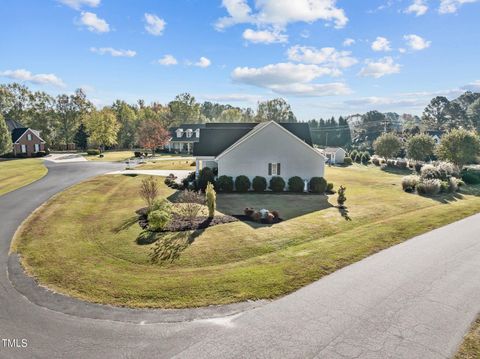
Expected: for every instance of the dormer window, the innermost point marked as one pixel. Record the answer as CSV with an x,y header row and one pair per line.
x,y
189,132
179,132
197,133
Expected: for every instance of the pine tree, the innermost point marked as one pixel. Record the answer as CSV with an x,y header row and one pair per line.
x,y
5,137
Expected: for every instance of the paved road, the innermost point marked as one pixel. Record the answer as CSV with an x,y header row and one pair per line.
x,y
415,300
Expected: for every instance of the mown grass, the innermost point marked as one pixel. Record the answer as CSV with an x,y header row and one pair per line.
x,y
111,156
73,243
470,348
167,165
20,172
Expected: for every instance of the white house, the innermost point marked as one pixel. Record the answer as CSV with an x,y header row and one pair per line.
x,y
184,137
266,149
335,155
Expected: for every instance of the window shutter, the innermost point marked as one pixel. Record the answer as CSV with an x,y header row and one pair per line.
x,y
278,169
269,169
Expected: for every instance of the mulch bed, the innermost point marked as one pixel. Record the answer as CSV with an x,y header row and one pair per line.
x,y
245,218
180,223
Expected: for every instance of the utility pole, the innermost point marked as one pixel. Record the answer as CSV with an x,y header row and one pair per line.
x,y
326,139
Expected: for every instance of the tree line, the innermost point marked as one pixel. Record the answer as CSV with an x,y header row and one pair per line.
x,y
73,119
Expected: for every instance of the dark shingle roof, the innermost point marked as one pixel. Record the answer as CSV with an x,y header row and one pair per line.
x,y
12,124
17,133
217,137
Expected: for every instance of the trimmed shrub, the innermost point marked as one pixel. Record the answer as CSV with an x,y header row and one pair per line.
x,y
204,176
447,170
259,184
365,157
409,183
157,220
275,214
376,161
211,199
402,164
444,186
317,185
249,211
242,184
330,187
295,184
429,187
430,172
341,199
225,184
418,167
390,163
187,180
347,161
453,184
277,184
353,155
257,216
270,218
471,177
93,152
40,154
137,154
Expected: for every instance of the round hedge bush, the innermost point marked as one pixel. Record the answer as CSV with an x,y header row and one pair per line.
x,y
277,184
347,161
225,184
157,220
242,184
295,184
318,185
259,184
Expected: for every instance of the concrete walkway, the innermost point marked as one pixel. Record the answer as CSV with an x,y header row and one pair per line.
x,y
414,300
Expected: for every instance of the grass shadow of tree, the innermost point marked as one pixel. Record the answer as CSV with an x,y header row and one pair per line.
x,y
169,246
343,210
126,224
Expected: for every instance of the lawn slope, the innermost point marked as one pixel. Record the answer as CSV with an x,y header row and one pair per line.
x,y
76,245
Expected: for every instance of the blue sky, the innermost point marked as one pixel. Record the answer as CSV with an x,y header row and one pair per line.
x,y
325,57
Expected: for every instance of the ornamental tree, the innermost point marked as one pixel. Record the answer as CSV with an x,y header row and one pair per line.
x,y
387,145
151,135
459,146
420,147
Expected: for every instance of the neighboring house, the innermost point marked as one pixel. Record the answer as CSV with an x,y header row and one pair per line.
x,y
26,141
184,137
259,149
436,135
334,155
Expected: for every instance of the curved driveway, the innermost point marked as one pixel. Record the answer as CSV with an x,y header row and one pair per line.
x,y
414,300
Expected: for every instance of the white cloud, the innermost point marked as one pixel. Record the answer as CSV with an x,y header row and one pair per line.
x,y
113,52
289,78
380,68
418,7
203,62
280,13
381,44
264,36
234,97
77,4
416,42
328,56
348,42
385,101
93,22
452,6
472,86
154,24
168,60
39,79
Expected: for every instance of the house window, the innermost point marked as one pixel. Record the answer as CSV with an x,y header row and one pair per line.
x,y
37,147
23,148
179,132
197,133
29,137
189,133
274,169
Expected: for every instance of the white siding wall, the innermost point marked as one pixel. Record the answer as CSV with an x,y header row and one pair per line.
x,y
272,144
340,156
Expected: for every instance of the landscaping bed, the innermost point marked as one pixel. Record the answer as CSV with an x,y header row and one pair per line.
x,y
78,243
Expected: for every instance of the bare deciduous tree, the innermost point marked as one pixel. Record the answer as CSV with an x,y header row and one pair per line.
x,y
149,190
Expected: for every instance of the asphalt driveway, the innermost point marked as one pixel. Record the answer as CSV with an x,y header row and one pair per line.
x,y
414,300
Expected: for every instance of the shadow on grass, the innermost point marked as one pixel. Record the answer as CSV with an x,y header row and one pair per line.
x,y
398,171
344,213
169,246
126,224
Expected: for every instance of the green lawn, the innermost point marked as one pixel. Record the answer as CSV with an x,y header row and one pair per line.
x,y
20,172
167,165
111,156
470,348
75,243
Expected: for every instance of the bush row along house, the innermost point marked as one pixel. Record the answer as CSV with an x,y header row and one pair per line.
x,y
26,141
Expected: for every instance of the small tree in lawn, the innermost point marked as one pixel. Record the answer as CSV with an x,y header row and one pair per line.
x,y
387,145
211,200
149,190
341,199
420,147
151,135
102,128
459,146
